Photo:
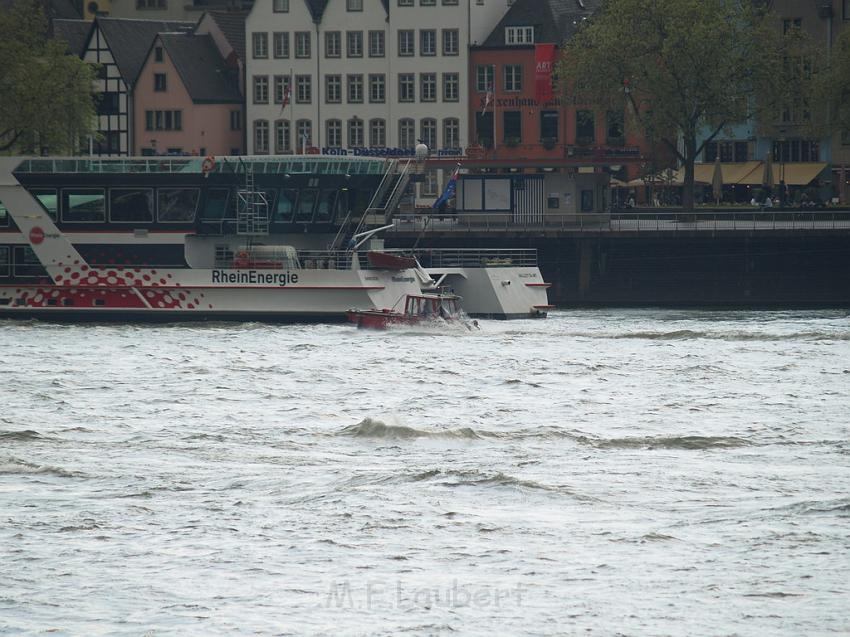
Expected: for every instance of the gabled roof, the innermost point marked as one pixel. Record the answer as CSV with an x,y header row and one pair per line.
x,y
554,21
201,68
130,40
232,26
74,32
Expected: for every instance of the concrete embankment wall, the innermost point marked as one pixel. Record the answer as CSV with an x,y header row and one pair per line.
x,y
770,269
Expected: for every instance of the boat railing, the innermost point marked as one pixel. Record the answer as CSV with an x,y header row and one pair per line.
x,y
474,257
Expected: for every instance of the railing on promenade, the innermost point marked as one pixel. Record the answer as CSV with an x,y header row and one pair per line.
x,y
624,222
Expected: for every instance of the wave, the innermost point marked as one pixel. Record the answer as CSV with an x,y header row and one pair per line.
x,y
674,335
476,478
20,436
668,442
13,466
370,428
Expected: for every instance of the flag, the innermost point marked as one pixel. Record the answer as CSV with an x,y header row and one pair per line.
x,y
544,62
449,191
487,99
287,94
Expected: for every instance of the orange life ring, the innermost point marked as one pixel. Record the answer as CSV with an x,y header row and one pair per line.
x,y
208,164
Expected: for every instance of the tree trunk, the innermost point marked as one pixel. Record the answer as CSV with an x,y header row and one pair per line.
x,y
688,184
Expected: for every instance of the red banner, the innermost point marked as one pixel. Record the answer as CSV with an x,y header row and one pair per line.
x,y
544,62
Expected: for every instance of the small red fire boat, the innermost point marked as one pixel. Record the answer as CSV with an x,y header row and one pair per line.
x,y
418,309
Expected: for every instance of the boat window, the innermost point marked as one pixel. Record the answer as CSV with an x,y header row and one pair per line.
x,y
27,264
83,204
305,205
216,203
177,204
285,205
4,215
4,261
47,198
325,209
131,205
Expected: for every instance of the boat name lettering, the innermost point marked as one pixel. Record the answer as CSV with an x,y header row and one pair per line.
x,y
254,277
388,152
527,275
403,279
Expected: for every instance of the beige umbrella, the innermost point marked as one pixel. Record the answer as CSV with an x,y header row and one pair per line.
x,y
717,180
767,178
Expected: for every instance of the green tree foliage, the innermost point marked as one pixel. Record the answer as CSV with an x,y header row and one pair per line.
x,y
46,94
831,88
684,69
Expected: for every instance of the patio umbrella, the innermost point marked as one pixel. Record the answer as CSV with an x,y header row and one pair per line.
x,y
717,181
767,179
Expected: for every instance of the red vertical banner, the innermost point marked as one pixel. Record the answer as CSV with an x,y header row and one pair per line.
x,y
544,61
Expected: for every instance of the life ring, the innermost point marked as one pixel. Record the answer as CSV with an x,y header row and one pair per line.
x,y
208,165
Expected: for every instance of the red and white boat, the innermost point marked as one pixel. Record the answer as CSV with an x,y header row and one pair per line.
x,y
419,309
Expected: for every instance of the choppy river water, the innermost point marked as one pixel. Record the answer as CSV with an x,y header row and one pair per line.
x,y
601,472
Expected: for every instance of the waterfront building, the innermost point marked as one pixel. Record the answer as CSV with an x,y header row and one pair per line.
x,y
119,48
363,76
187,101
191,10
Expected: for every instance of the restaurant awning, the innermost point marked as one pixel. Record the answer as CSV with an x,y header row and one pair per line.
x,y
748,173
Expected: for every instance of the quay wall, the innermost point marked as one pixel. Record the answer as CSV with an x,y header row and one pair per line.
x,y
785,269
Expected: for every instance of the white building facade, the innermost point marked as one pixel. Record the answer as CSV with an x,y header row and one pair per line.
x,y
368,78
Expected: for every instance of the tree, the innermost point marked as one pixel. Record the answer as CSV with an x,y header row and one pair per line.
x,y
831,88
685,69
47,94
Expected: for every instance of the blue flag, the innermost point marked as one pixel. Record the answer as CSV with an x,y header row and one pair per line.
x,y
449,192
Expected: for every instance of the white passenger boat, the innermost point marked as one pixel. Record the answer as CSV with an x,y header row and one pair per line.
x,y
183,238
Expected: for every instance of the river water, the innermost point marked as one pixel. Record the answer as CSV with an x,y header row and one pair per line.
x,y
650,472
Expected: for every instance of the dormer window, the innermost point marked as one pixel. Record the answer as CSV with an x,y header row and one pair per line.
x,y
519,35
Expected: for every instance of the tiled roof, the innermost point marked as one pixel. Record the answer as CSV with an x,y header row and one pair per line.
x,y
232,25
130,41
201,68
74,32
554,21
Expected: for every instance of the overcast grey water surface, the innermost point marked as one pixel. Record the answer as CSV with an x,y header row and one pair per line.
x,y
646,472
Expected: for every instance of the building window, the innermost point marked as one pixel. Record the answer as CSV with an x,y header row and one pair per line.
x,y
281,85
304,130
157,54
159,83
428,87
377,133
549,126
451,87
451,40
427,3
451,132
354,5
429,184
376,44
354,44
450,2
303,89
428,42
110,104
355,133
302,44
280,6
512,127
355,89
281,45
519,35
333,44
236,120
428,132
484,74
261,89
513,78
406,43
333,133
377,88
261,44
163,120
333,89
282,137
151,4
585,127
405,3
727,151
796,150
846,9
261,136
406,87
615,128
406,133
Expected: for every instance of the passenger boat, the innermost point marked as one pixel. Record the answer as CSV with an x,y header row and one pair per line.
x,y
418,309
242,238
